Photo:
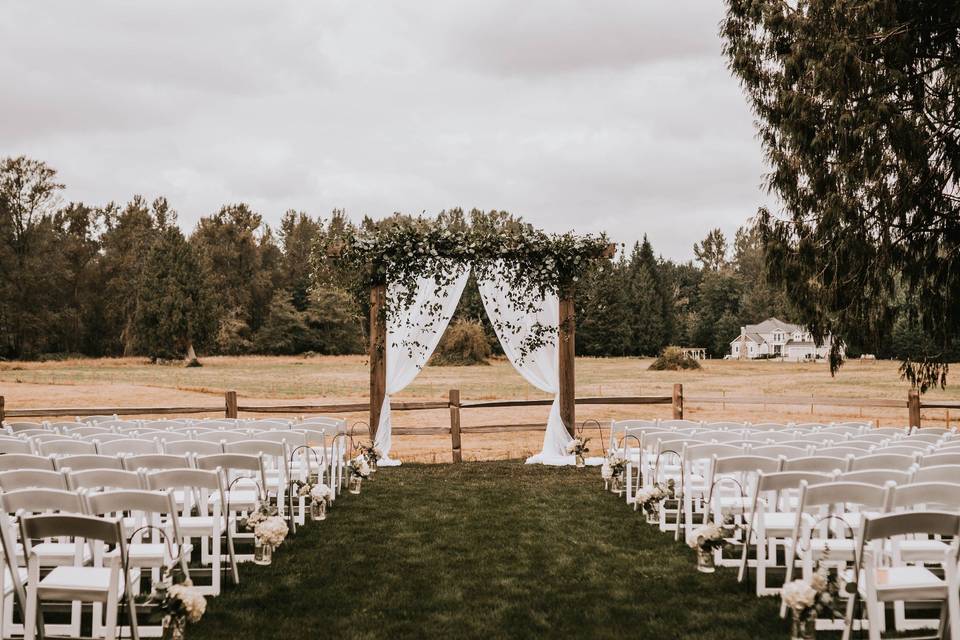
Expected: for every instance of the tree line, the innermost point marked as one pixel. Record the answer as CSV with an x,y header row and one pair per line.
x,y
124,280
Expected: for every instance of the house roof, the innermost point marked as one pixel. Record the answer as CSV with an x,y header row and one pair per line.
x,y
752,337
771,324
800,343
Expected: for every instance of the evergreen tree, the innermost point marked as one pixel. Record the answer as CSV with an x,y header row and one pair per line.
x,y
173,307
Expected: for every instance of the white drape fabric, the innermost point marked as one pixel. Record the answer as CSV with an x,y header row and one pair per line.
x,y
540,368
412,337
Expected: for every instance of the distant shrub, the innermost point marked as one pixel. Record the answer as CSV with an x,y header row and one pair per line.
x,y
464,344
673,359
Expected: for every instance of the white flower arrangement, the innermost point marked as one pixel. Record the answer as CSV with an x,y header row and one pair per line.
x,y
813,597
617,463
647,497
360,467
799,595
187,599
321,492
606,471
706,537
272,531
578,446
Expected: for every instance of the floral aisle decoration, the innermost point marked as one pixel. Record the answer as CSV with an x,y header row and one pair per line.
x,y
578,447
319,494
811,599
359,471
613,471
706,539
269,533
372,454
177,603
649,500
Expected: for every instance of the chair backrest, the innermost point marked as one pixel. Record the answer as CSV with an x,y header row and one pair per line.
x,y
41,500
848,430
745,464
17,461
96,419
66,447
879,477
939,473
708,450
891,431
87,461
231,462
910,522
724,425
293,439
329,421
770,426
861,445
937,459
719,436
257,447
675,424
925,494
17,427
80,431
163,479
846,493
778,450
883,461
215,424
269,424
191,447
222,436
840,452
129,446
15,446
32,479
818,463
783,480
104,478
160,502
927,438
107,530
905,450
154,461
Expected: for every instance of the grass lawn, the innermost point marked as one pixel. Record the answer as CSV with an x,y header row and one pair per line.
x,y
486,550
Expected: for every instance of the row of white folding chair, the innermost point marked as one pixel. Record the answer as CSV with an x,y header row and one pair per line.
x,y
813,538
213,476
58,515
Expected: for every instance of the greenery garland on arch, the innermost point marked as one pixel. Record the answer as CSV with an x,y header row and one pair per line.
x,y
398,250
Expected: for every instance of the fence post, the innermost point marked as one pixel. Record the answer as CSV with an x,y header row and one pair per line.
x,y
2,409
455,425
678,401
230,401
913,407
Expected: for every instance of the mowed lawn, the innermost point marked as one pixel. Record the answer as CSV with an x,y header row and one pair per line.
x,y
486,550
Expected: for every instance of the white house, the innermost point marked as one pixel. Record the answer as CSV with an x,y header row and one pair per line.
x,y
775,338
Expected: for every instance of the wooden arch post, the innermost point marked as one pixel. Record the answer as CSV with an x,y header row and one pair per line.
x,y
567,344
378,355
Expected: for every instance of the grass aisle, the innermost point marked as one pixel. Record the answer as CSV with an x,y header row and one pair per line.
x,y
492,550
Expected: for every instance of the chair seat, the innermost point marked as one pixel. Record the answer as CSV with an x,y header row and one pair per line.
x,y
239,499
88,584
908,583
734,502
853,518
147,554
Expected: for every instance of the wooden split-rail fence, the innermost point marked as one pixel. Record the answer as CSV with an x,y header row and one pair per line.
x,y
231,408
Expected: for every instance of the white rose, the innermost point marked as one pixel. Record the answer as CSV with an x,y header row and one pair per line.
x,y
798,595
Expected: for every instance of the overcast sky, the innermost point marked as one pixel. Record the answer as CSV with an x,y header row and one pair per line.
x,y
607,115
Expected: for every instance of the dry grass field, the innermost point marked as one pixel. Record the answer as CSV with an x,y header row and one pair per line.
x,y
275,380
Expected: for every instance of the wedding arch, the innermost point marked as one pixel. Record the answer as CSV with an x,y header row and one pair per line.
x,y
415,270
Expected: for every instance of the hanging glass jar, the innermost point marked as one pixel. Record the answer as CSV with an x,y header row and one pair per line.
x,y
318,510
705,561
355,482
581,463
174,627
262,553
804,627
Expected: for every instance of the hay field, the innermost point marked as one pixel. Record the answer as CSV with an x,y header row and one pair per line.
x,y
274,380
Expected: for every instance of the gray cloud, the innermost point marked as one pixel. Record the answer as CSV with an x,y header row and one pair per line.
x,y
590,116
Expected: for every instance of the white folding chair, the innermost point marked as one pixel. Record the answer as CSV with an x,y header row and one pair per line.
x,y
10,446
878,584
77,583
883,461
19,461
770,522
197,486
191,448
939,473
248,474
